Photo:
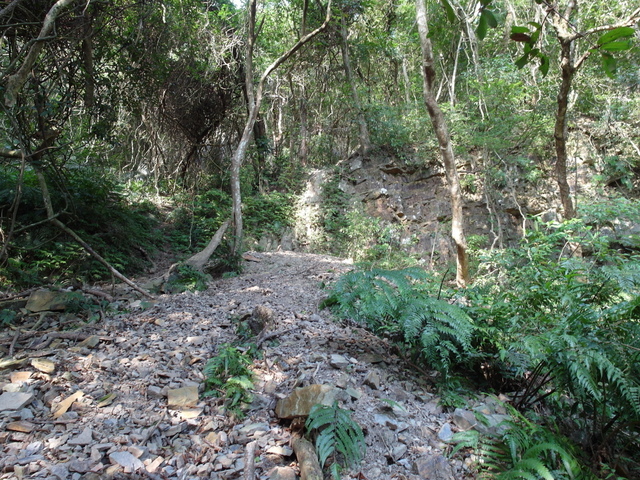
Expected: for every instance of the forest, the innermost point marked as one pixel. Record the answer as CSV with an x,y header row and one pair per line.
x,y
476,162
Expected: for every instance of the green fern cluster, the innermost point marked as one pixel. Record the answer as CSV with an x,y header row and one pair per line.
x,y
523,451
336,433
398,303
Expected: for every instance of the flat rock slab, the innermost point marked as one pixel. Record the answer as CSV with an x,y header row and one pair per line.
x,y
44,300
183,397
435,467
301,400
126,460
14,400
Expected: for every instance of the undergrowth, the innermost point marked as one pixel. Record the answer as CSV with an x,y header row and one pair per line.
x,y
401,305
337,436
228,376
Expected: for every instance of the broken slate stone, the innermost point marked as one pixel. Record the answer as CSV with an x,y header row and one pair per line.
x,y
154,392
435,467
464,419
372,380
44,365
183,397
338,361
85,438
126,461
445,434
282,473
44,300
299,403
14,400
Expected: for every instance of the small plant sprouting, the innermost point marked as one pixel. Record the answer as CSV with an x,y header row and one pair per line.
x,y
227,375
336,433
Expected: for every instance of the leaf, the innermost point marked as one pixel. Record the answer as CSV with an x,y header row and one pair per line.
x,y
617,46
451,14
491,18
516,29
609,64
481,29
615,34
544,64
520,37
523,60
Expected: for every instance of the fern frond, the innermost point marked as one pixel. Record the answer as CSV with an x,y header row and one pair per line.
x,y
337,433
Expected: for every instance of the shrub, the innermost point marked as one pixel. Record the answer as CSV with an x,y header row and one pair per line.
x,y
399,304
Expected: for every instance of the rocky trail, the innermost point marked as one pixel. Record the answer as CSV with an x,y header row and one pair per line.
x,y
121,397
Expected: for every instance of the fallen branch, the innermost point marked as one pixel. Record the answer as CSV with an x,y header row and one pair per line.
x,y
307,459
249,461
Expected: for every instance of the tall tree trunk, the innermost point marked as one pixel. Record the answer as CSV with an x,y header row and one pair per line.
x,y
560,131
365,140
446,149
254,100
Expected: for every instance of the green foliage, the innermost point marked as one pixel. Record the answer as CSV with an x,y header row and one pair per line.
x,y
227,375
7,317
187,279
565,329
268,213
336,433
400,304
524,450
92,204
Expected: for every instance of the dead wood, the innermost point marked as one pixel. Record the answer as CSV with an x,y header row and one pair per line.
x,y
307,459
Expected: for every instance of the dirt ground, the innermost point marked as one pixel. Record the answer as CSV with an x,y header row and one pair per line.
x,y
114,385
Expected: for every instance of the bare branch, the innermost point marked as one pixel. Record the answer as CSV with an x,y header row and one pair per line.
x,y
17,80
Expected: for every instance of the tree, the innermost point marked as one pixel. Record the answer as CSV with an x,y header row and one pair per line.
x,y
446,148
569,36
254,99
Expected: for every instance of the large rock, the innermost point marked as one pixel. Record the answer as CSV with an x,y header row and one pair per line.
x,y
435,467
45,300
301,400
14,400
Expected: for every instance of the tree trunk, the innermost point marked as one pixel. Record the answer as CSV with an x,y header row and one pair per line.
x,y
446,149
560,132
365,141
200,259
254,100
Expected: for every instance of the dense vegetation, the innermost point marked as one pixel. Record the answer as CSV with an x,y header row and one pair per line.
x,y
121,122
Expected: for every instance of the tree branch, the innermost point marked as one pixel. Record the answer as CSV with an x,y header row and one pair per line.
x,y
17,80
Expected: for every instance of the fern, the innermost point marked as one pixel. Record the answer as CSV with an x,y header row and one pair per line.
x,y
336,433
523,451
397,303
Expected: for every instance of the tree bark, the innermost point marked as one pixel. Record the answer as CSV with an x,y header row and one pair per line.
x,y
446,149
255,99
560,130
200,259
307,459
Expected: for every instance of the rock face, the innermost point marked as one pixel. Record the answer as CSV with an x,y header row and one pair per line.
x,y
415,195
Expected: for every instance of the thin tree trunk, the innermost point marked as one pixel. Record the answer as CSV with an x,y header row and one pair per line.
x,y
446,148
200,259
87,60
365,140
254,101
560,132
